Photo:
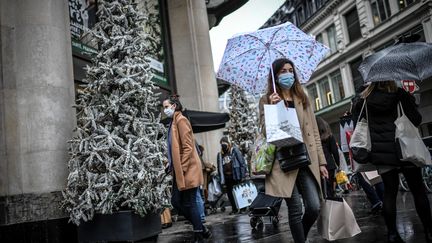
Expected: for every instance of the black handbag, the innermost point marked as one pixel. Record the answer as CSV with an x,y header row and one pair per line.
x,y
292,157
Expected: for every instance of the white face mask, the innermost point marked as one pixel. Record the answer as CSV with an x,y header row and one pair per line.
x,y
169,111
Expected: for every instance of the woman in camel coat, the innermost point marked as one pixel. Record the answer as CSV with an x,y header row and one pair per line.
x,y
185,165
301,187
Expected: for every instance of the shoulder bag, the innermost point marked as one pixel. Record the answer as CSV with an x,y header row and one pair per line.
x,y
360,143
292,157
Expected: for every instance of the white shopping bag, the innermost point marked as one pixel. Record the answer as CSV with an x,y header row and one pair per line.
x,y
372,177
282,125
244,194
337,220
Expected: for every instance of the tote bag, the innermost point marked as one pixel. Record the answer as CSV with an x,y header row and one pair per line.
x,y
410,146
360,143
336,220
282,125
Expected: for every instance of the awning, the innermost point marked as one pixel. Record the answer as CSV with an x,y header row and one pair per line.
x,y
203,121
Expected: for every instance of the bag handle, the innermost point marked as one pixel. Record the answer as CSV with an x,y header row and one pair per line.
x,y
400,110
361,111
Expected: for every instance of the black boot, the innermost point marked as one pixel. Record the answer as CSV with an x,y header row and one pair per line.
x,y
394,238
198,237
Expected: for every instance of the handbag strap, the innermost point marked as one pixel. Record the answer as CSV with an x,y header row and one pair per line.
x,y
361,111
400,109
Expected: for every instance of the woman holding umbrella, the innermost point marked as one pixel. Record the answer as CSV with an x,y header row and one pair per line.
x,y
300,188
382,99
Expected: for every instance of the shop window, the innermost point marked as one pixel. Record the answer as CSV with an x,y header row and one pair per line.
x,y
337,86
353,25
405,3
355,74
331,38
319,38
300,15
325,91
313,96
380,10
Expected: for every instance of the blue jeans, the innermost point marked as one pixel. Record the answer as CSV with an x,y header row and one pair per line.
x,y
306,187
185,202
375,193
200,203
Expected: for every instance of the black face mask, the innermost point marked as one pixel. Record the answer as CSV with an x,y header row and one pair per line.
x,y
225,148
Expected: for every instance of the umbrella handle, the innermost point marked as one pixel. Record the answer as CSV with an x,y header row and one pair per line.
x,y
272,74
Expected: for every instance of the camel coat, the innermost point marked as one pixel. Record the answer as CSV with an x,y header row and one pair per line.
x,y
185,158
279,183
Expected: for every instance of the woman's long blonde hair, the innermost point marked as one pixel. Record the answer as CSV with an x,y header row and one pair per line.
x,y
386,86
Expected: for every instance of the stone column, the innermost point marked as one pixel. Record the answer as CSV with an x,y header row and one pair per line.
x,y
36,115
193,64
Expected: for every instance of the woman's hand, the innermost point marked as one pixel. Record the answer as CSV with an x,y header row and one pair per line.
x,y
274,98
323,171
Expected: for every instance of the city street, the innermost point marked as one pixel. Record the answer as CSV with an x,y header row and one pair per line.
x,y
236,228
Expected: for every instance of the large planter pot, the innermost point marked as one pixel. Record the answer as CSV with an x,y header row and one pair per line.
x,y
120,226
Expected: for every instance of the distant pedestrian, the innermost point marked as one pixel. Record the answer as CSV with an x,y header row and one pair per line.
x,y
185,165
301,187
231,168
382,99
331,153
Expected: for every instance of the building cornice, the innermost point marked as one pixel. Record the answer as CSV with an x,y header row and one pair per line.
x,y
327,10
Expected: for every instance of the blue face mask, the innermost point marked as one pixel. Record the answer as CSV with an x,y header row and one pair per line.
x,y
286,80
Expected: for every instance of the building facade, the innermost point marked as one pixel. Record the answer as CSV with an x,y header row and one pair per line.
x,y
353,29
44,48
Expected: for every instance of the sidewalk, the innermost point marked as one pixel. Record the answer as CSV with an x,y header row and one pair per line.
x,y
236,228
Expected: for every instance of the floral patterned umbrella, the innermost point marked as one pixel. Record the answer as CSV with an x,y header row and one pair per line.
x,y
247,58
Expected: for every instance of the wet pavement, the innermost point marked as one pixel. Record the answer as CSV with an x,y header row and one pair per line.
x,y
236,228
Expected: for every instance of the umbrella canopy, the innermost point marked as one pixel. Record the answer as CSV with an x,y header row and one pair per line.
x,y
248,57
404,61
203,121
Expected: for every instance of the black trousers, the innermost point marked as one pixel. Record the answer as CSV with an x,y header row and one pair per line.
x,y
414,179
230,183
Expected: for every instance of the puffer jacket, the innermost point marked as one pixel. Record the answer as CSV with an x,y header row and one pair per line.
x,y
382,113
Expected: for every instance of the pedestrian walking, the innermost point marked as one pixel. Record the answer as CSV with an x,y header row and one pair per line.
x,y
301,187
231,168
185,165
382,99
331,153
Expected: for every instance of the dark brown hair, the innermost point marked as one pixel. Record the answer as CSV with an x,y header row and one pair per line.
x,y
323,128
296,89
174,100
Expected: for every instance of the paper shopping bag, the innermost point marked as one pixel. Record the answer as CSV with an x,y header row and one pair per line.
x,y
337,220
244,194
372,177
282,125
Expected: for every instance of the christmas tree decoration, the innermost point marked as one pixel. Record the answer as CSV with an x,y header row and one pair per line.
x,y
119,145
243,124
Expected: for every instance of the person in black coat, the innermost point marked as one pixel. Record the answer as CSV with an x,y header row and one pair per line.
x,y
231,168
382,99
331,154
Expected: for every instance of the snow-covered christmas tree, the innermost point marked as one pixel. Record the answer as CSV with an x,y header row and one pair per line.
x,y
119,146
243,125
